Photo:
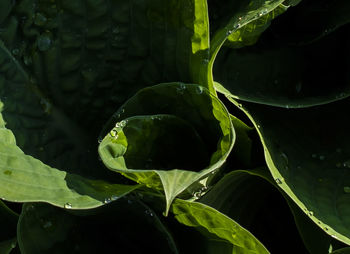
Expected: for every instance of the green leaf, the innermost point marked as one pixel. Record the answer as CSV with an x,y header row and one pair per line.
x,y
8,222
36,181
124,226
342,251
7,246
88,57
204,217
168,136
311,21
276,74
309,159
250,33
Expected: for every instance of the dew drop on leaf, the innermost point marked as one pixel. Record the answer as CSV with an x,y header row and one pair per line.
x,y
44,42
107,201
322,157
15,52
40,19
68,205
199,90
279,181
47,224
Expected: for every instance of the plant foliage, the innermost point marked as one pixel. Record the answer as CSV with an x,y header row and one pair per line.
x,y
185,126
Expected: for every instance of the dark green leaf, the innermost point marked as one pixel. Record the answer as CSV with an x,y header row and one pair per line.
x,y
273,73
124,226
309,159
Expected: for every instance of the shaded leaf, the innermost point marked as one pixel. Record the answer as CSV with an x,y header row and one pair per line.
x,y
173,118
126,225
309,160
273,73
257,206
7,246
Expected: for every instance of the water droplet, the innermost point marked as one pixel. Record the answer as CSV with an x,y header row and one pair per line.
x,y
322,157
181,89
199,90
47,224
114,133
107,200
148,212
287,106
325,228
314,155
346,164
298,87
46,106
30,208
44,42
27,60
236,26
279,181
240,18
15,52
258,126
310,213
346,189
228,32
116,30
40,19
114,197
197,194
68,205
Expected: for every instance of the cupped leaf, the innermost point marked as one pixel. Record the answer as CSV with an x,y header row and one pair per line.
x,y
168,137
211,221
124,226
307,152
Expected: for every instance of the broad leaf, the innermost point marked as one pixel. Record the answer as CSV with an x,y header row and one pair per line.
x,y
213,222
311,20
124,226
251,201
309,159
168,137
273,73
342,251
7,246
250,33
242,15
8,222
